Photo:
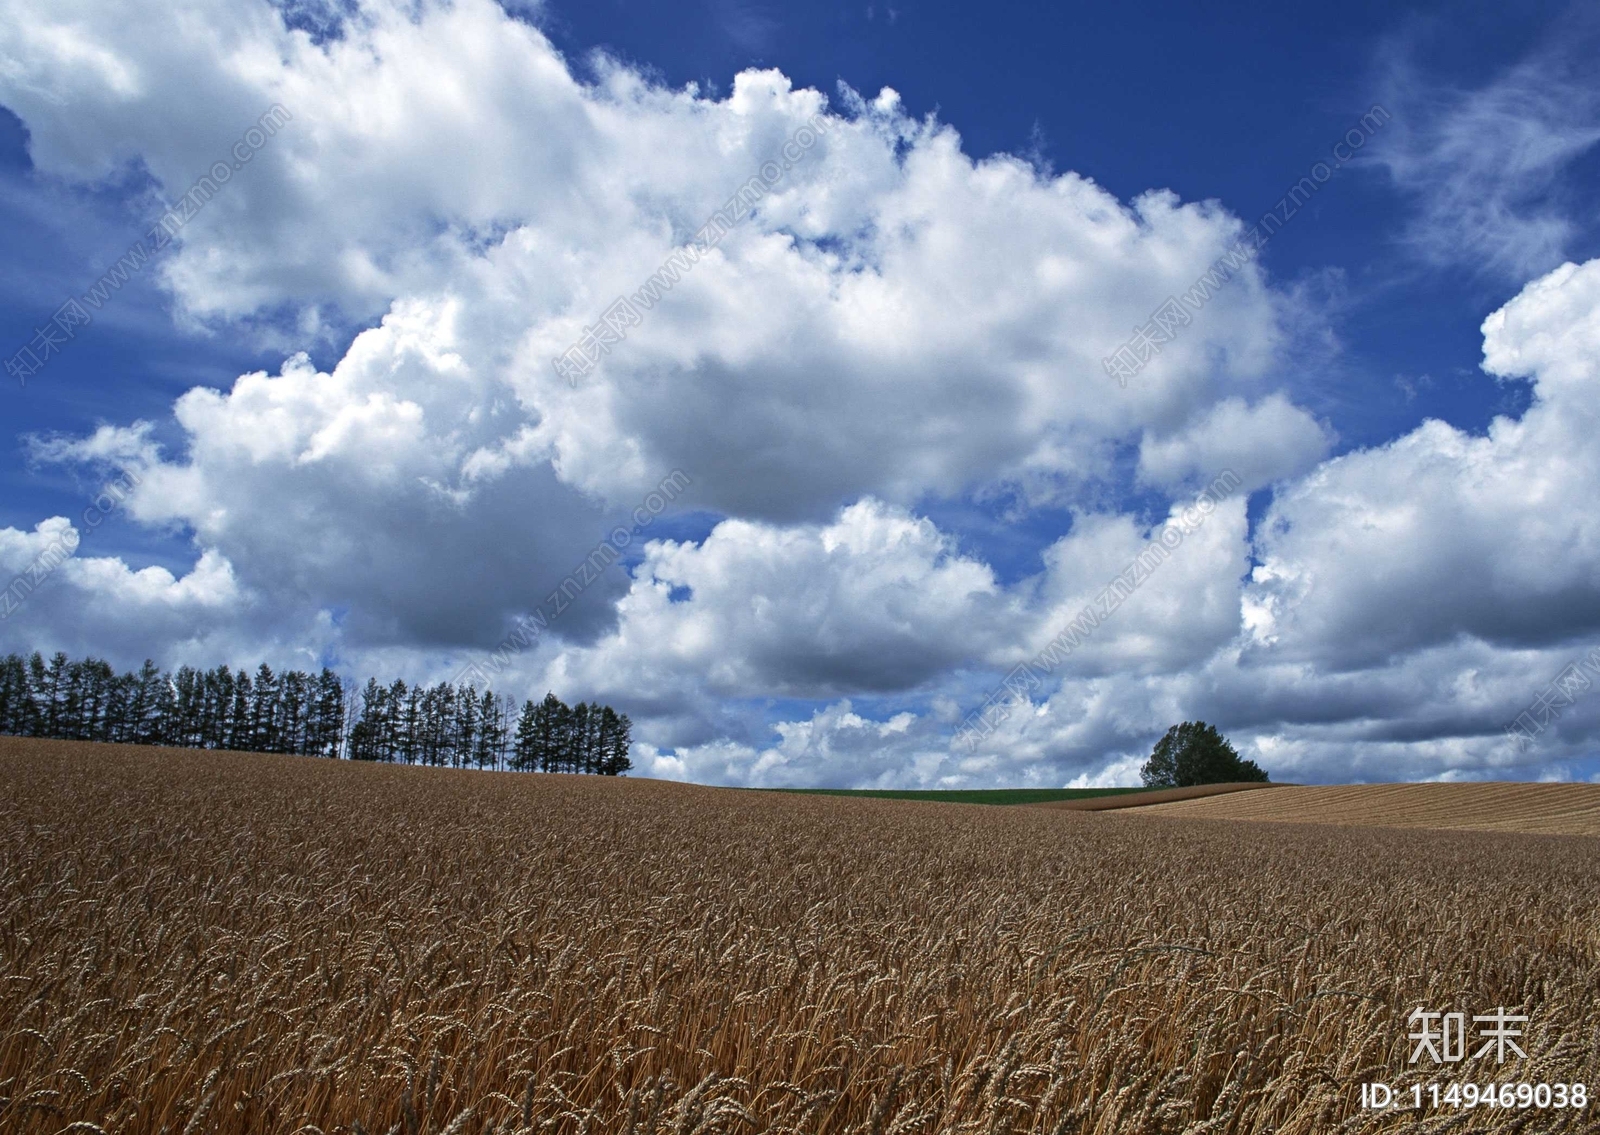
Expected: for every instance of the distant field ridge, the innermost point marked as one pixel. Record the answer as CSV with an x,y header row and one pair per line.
x,y
1543,809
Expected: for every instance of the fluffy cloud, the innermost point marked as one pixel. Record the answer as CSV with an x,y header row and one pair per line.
x,y
896,325
835,746
1441,534
1262,443
96,604
877,600
349,490
895,319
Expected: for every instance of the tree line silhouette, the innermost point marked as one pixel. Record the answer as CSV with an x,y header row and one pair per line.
x,y
291,711
86,700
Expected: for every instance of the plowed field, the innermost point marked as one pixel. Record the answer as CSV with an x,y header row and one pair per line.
x,y
1551,809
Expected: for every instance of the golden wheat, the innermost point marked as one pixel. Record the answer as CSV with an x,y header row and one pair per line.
x,y
1151,796
1547,809
226,943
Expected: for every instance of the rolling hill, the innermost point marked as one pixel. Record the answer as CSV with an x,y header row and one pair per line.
x,y
1545,809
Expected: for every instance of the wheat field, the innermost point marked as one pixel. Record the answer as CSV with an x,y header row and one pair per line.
x,y
1549,809
213,942
1152,796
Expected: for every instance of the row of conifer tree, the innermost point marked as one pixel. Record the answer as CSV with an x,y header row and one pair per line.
x,y
312,715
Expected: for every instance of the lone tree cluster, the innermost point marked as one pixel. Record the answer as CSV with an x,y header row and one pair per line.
x,y
1195,753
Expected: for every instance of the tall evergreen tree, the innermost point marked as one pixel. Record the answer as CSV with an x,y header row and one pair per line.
x,y
119,709
366,736
327,716
17,711
553,718
489,740
525,751
615,740
241,715
464,737
90,697
578,737
49,689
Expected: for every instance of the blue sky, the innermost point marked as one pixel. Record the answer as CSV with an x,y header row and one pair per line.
x,y
907,471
